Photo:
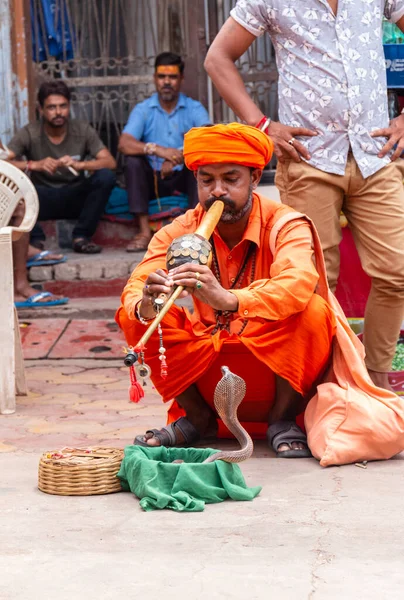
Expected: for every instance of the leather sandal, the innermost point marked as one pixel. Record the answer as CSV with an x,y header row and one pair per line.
x,y
167,435
85,246
287,432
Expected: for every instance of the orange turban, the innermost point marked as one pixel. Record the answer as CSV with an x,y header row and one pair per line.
x,y
234,143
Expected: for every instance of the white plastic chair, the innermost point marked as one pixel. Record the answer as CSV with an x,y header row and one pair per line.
x,y
14,186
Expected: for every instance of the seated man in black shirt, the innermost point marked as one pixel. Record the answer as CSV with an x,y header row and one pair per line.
x,y
55,151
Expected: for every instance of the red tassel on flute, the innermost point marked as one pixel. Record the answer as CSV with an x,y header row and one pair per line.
x,y
135,391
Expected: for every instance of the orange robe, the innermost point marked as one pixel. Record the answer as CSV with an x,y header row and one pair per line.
x,y
289,328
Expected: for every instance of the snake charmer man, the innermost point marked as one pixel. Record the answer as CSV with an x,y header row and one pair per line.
x,y
262,301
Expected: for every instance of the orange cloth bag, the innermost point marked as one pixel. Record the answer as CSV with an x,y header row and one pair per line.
x,y
349,419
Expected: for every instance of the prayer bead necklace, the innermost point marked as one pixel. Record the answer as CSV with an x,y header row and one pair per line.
x,y
223,317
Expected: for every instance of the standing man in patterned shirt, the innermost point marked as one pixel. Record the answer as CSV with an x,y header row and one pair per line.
x,y
335,146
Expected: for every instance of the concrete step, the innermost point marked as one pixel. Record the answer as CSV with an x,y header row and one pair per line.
x,y
84,275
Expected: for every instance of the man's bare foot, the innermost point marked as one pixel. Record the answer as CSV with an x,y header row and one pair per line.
x,y
381,380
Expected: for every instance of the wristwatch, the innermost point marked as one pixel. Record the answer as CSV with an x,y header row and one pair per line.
x,y
150,148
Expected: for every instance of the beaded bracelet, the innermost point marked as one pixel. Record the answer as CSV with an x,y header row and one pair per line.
x,y
142,320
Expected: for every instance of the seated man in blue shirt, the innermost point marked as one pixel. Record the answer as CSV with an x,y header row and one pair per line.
x,y
152,142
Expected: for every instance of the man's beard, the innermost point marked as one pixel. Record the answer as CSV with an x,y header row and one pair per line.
x,y
167,94
230,215
54,123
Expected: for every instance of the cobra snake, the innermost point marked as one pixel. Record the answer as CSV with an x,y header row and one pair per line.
x,y
229,394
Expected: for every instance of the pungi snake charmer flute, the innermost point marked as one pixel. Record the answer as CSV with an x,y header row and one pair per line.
x,y
193,248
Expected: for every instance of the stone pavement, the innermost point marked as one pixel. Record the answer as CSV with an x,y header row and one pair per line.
x,y
72,338
77,338
312,533
76,403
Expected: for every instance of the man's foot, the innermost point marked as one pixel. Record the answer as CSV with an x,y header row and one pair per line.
x,y
381,380
26,291
139,243
33,250
177,434
38,299
85,246
288,440
44,257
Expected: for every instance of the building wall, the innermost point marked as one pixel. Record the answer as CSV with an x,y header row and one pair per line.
x,y
14,67
7,117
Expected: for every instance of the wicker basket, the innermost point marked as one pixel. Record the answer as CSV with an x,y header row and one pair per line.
x,y
80,471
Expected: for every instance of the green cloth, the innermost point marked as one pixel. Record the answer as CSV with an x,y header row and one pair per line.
x,y
159,483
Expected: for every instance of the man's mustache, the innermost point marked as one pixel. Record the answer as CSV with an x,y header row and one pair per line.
x,y
226,201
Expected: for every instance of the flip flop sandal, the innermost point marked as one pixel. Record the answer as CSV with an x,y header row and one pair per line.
x,y
167,435
34,301
40,259
287,432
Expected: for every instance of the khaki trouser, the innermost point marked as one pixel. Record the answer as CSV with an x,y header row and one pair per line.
x,y
374,208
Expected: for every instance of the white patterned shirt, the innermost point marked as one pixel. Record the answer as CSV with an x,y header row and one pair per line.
x,y
332,74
